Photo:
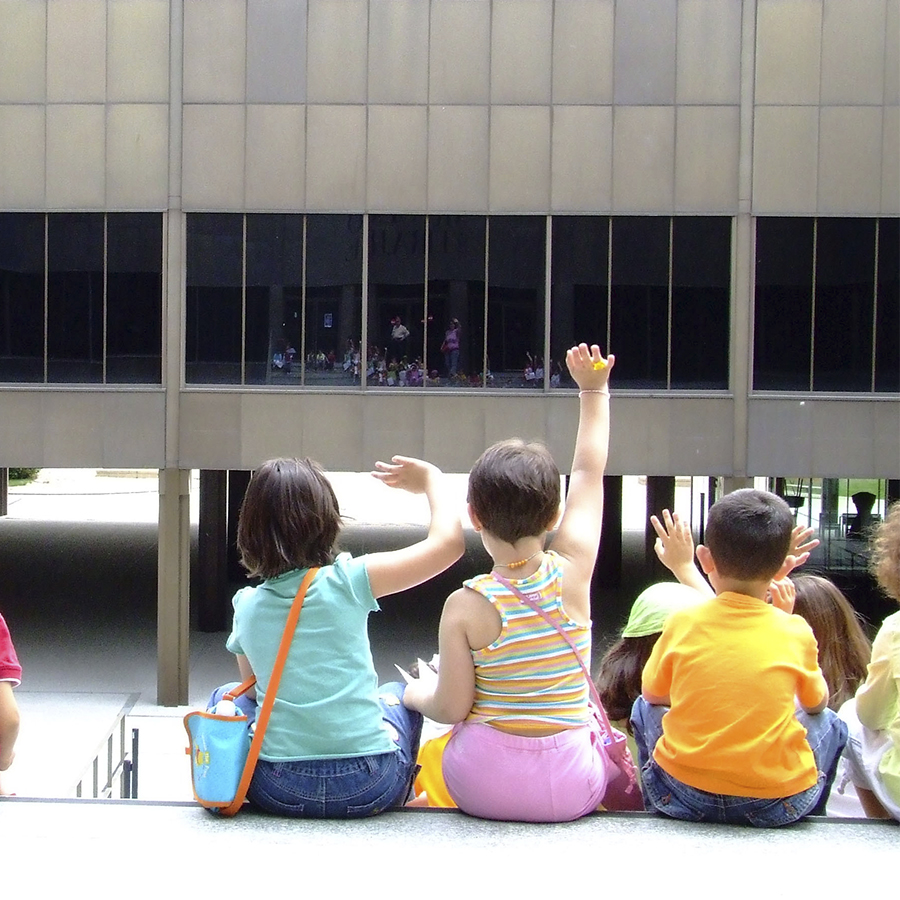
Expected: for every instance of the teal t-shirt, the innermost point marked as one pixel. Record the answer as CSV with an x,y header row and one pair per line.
x,y
327,704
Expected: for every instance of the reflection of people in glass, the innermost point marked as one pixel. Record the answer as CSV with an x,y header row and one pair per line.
x,y
399,337
450,348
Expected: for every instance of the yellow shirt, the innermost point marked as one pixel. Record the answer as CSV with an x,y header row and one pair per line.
x,y
732,668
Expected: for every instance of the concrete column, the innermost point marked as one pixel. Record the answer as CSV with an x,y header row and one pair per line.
x,y
735,484
237,484
173,579
212,551
608,568
4,492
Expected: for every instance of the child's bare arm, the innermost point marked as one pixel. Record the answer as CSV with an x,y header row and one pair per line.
x,y
397,570
9,725
578,534
675,548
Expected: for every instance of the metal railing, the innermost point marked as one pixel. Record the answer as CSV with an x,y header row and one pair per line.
x,y
121,765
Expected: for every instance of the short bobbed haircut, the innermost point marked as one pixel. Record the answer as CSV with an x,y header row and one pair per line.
x,y
289,518
514,489
884,562
748,534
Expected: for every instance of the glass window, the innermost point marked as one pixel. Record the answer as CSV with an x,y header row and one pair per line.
x,y
396,310
783,308
273,298
214,328
579,285
844,307
455,336
639,314
515,319
887,347
333,318
75,301
134,298
701,279
22,297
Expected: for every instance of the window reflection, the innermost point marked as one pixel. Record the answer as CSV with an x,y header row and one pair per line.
x,y
21,297
887,347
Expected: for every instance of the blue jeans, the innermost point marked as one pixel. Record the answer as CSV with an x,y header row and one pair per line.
x,y
825,732
346,788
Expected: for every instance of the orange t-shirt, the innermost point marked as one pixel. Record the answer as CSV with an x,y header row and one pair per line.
x,y
732,668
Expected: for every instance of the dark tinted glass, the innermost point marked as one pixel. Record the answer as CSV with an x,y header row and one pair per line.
x,y
396,297
455,341
22,297
639,329
515,321
845,302
782,332
579,278
887,342
213,331
333,300
274,278
75,308
134,298
701,291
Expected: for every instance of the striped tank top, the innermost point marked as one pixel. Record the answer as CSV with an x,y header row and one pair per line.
x,y
529,677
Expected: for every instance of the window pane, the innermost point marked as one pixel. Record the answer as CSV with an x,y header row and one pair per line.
x,y
845,299
213,329
887,346
396,297
639,323
515,326
579,307
75,297
333,320
274,276
134,298
783,313
455,299
701,288
22,297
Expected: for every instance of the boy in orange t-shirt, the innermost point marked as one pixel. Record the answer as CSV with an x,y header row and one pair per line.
x,y
733,724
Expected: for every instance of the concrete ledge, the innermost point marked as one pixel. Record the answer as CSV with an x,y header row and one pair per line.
x,y
151,847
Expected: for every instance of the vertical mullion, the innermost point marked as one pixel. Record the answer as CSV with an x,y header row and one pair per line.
x,y
425,323
46,291
812,330
669,306
609,262
303,302
364,338
548,262
484,338
105,293
875,304
244,299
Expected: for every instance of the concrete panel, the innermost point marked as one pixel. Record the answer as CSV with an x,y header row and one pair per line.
x,y
73,429
459,67
23,52
134,428
259,440
892,54
396,158
520,158
22,435
339,446
398,51
276,51
645,52
785,160
276,157
213,149
707,151
456,448
581,163
214,51
138,50
643,159
853,37
788,51
458,158
521,51
708,52
22,148
137,156
336,157
583,32
392,424
209,430
75,156
850,160
76,51
337,51
890,162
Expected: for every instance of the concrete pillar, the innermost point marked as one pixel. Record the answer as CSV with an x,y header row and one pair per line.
x,y
608,568
4,492
212,557
660,496
731,484
237,485
173,579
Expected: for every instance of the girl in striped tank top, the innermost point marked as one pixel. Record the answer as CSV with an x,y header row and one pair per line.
x,y
523,747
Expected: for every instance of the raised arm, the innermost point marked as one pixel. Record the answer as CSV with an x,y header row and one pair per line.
x,y
397,570
675,548
9,725
578,534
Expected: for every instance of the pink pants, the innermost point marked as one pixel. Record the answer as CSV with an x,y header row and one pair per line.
x,y
495,775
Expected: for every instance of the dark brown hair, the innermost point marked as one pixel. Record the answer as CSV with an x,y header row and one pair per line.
x,y
289,518
619,677
884,562
514,489
844,649
748,534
